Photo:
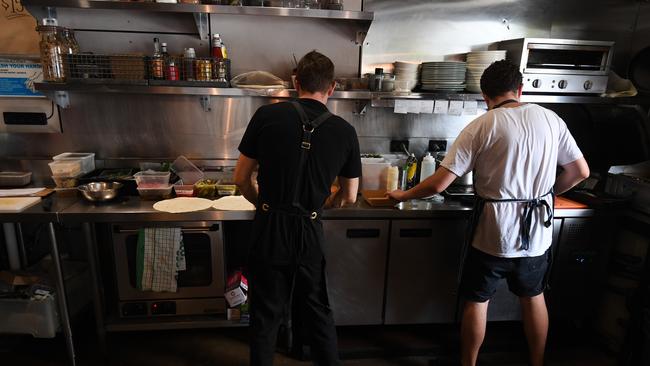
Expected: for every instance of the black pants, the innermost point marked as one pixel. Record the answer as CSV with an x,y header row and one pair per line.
x,y
271,292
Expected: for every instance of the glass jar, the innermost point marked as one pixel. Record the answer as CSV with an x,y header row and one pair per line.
x,y
70,41
52,49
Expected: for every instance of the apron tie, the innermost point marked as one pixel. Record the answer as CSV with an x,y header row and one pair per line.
x,y
526,226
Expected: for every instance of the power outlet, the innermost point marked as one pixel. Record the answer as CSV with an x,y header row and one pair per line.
x,y
396,145
437,145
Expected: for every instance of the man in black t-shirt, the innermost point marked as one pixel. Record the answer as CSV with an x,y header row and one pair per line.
x,y
299,149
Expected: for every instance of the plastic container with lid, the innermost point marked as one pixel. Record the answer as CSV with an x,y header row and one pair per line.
x,y
15,179
155,193
28,316
87,160
187,171
374,175
184,190
66,182
66,168
151,179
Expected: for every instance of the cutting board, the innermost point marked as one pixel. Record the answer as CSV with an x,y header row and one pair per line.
x,y
17,204
565,203
378,198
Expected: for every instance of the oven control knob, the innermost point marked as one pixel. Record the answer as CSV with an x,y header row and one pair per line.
x,y
537,83
588,84
562,84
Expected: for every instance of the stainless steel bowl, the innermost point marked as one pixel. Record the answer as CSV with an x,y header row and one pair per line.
x,y
100,191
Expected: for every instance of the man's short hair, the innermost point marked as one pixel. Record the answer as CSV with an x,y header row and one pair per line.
x,y
499,78
315,72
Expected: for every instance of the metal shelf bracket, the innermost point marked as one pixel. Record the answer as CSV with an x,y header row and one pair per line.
x,y
203,25
361,37
361,107
206,103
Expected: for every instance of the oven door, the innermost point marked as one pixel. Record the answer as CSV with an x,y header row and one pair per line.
x,y
203,278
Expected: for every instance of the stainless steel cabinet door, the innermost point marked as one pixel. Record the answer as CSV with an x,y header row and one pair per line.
x,y
356,252
423,267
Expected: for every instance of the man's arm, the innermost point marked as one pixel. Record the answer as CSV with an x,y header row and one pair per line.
x,y
572,174
347,194
436,183
243,178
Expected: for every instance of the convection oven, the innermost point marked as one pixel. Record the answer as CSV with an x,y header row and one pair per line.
x,y
200,286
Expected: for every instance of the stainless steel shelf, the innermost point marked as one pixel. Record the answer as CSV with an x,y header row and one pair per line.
x,y
114,324
236,92
203,8
290,93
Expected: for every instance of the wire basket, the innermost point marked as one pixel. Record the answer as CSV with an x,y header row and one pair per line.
x,y
182,71
106,69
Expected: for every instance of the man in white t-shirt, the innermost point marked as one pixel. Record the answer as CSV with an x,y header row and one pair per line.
x,y
513,150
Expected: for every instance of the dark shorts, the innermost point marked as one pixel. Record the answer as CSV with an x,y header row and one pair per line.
x,y
482,273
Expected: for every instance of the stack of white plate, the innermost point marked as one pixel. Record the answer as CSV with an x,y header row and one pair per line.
x,y
444,75
477,62
406,75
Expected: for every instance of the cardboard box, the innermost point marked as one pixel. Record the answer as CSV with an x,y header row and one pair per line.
x,y
236,289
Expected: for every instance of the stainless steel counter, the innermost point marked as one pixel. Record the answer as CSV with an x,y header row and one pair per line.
x,y
73,209
134,209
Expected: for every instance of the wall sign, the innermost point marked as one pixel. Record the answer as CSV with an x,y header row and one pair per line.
x,y
13,9
17,78
17,29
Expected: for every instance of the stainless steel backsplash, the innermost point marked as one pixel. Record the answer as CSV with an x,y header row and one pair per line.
x,y
134,127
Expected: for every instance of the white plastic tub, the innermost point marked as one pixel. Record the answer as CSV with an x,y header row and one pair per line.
x,y
374,175
66,168
87,160
15,179
24,316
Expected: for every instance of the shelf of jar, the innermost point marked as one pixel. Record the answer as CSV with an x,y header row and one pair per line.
x,y
290,93
204,9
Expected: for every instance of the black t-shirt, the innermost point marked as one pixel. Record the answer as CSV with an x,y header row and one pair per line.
x,y
273,139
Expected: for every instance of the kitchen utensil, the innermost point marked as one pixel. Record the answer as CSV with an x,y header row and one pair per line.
x,y
100,191
17,204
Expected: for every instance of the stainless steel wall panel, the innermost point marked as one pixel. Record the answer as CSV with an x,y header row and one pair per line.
x,y
125,21
267,43
140,43
604,20
419,30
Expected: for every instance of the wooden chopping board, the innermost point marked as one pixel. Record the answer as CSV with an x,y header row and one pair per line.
x,y
565,203
377,198
17,204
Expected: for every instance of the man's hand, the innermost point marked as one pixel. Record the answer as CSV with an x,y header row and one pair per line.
x,y
398,195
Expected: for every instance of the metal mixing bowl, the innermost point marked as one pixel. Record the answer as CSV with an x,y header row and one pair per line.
x,y
100,191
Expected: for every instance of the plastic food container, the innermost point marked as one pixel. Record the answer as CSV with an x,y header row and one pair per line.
x,y
184,190
87,160
151,179
374,175
15,179
66,182
24,316
206,188
156,193
187,171
66,168
224,189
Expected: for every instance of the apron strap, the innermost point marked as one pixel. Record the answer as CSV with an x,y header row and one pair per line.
x,y
308,128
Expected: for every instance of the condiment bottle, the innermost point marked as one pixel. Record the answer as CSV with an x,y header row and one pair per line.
x,y
157,63
427,167
218,47
409,171
377,80
171,71
189,56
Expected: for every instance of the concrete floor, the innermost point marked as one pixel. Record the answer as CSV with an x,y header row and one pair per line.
x,y
359,346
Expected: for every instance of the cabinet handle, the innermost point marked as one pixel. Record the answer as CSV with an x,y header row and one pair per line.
x,y
415,233
362,233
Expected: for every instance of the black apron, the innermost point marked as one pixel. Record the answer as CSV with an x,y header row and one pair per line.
x,y
274,222
290,268
530,205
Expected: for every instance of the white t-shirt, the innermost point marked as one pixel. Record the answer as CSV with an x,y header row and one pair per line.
x,y
514,153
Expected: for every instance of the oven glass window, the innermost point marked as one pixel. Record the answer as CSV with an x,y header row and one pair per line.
x,y
565,59
198,257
